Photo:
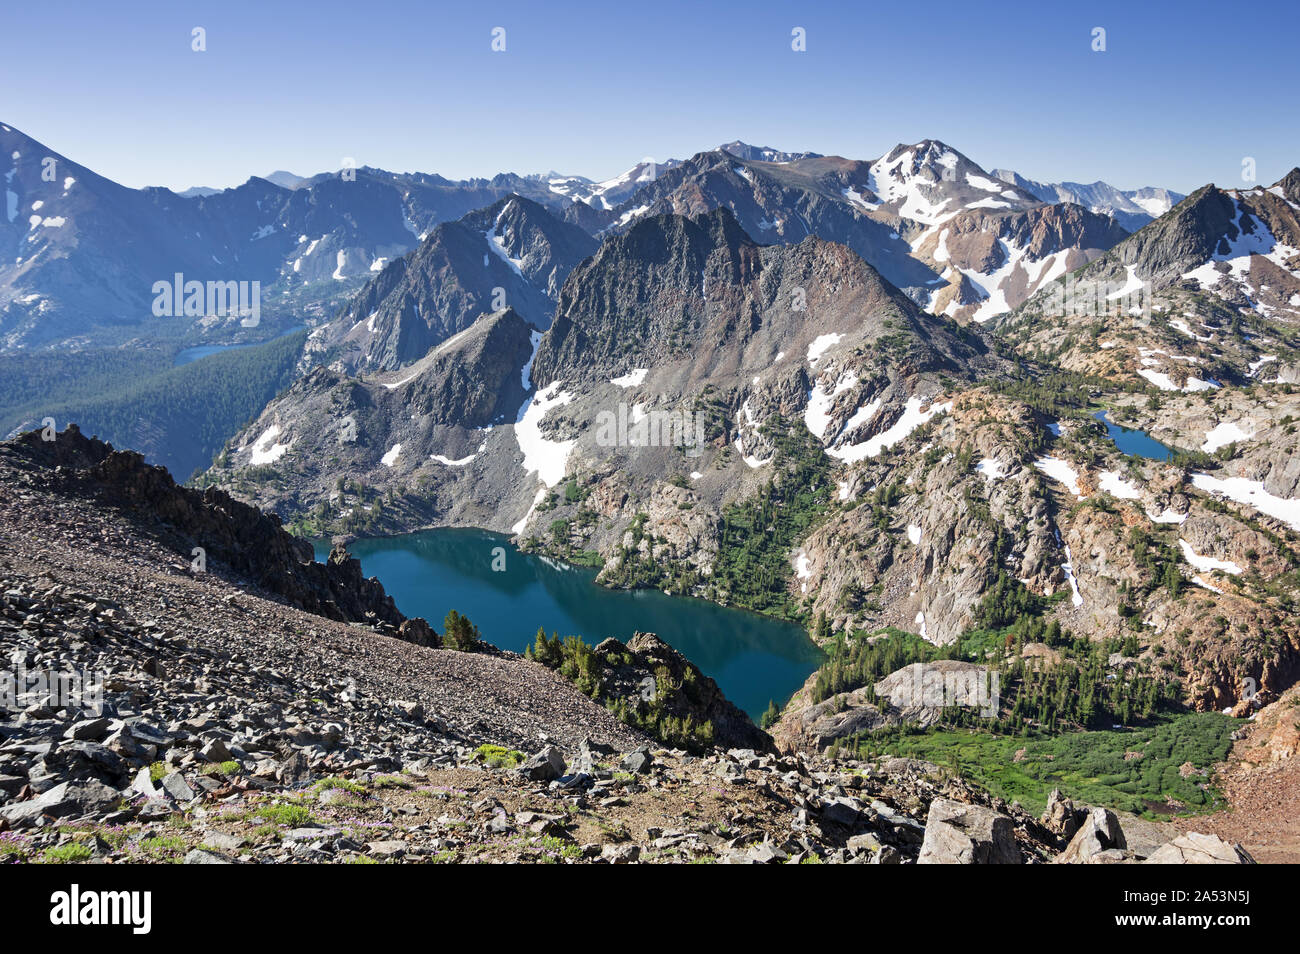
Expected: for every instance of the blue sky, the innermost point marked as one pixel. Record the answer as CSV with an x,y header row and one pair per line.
x,y
1183,92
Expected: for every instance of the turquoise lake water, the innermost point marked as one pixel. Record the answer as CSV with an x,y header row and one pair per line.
x,y
1135,442
752,658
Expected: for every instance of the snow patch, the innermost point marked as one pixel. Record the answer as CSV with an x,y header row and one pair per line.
x,y
632,379
631,214
912,418
1165,383
546,458
1252,494
820,344
264,451
519,527
526,373
856,198
497,246
1167,516
1204,563
803,569
1117,486
1223,434
1061,472
817,415
1067,567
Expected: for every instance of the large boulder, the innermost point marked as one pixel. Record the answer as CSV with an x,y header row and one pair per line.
x,y
547,765
917,694
65,800
961,834
923,690
1194,848
1099,840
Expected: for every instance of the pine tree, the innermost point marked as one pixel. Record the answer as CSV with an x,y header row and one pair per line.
x,y
459,633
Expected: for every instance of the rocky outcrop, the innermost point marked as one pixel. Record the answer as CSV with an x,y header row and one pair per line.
x,y
1099,840
649,676
208,530
916,695
1061,817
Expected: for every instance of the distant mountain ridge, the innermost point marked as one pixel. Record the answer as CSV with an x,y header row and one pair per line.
x,y
897,212
79,255
1132,208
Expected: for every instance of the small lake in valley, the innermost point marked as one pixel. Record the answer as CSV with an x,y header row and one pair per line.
x,y
188,355
1135,442
752,658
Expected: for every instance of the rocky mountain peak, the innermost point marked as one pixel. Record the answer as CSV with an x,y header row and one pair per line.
x,y
1290,185
512,253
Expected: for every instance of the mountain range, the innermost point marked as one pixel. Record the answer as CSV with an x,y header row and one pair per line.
x,y
939,416
837,332
81,253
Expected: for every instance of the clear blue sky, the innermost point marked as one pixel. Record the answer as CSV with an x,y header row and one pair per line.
x,y
1183,92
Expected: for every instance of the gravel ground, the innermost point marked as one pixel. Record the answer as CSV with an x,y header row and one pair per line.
x,y
224,627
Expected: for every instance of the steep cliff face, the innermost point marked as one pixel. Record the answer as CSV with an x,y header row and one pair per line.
x,y
830,197
676,289
419,438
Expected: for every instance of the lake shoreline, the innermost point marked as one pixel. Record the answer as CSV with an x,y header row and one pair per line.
x,y
754,658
